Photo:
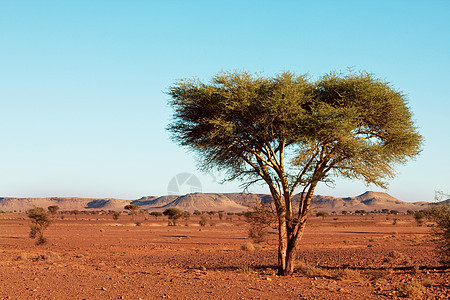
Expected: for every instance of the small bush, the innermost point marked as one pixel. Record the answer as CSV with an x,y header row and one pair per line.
x,y
441,215
156,214
348,274
322,214
310,271
412,289
116,215
203,221
261,218
40,221
247,246
138,223
173,215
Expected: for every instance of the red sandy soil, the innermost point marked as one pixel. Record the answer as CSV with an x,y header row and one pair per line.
x,y
96,257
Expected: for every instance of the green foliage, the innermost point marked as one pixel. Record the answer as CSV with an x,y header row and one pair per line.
x,y
40,219
53,209
173,215
261,218
441,215
356,124
291,132
322,214
156,214
420,216
132,207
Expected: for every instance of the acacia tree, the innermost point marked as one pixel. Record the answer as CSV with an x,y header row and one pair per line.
x,y
133,209
173,215
40,220
291,133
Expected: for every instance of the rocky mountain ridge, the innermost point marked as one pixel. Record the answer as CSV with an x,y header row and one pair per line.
x,y
229,202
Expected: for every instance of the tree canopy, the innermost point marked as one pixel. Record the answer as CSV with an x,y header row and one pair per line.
x,y
291,132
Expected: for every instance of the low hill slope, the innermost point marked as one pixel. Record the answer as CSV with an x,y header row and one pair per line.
x,y
229,202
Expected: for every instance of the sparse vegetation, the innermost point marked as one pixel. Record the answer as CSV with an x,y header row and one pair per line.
x,y
347,274
133,209
247,246
53,210
156,214
173,215
75,212
203,221
40,219
116,215
322,214
412,289
311,271
441,215
261,218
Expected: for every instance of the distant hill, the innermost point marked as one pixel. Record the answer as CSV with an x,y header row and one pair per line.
x,y
229,202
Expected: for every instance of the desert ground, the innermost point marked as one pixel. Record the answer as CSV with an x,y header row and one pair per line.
x,y
95,257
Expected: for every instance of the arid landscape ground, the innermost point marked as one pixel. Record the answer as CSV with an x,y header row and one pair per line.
x,y
375,256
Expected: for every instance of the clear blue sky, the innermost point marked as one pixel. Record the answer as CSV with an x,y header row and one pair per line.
x,y
82,83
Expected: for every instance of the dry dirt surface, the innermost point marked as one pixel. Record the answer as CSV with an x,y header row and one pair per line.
x,y
341,257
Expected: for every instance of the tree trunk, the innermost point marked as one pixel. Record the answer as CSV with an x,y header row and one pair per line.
x,y
289,237
282,245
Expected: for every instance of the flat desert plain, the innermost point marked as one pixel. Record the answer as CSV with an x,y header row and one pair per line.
x,y
341,257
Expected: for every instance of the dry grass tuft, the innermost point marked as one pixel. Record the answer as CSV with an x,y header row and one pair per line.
x,y
311,271
412,290
348,274
247,246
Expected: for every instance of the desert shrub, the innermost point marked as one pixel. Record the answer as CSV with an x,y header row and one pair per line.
x,y
348,274
394,222
186,215
156,214
441,215
261,219
138,223
412,289
133,209
203,221
310,271
116,215
173,215
247,246
40,220
53,209
419,216
322,214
